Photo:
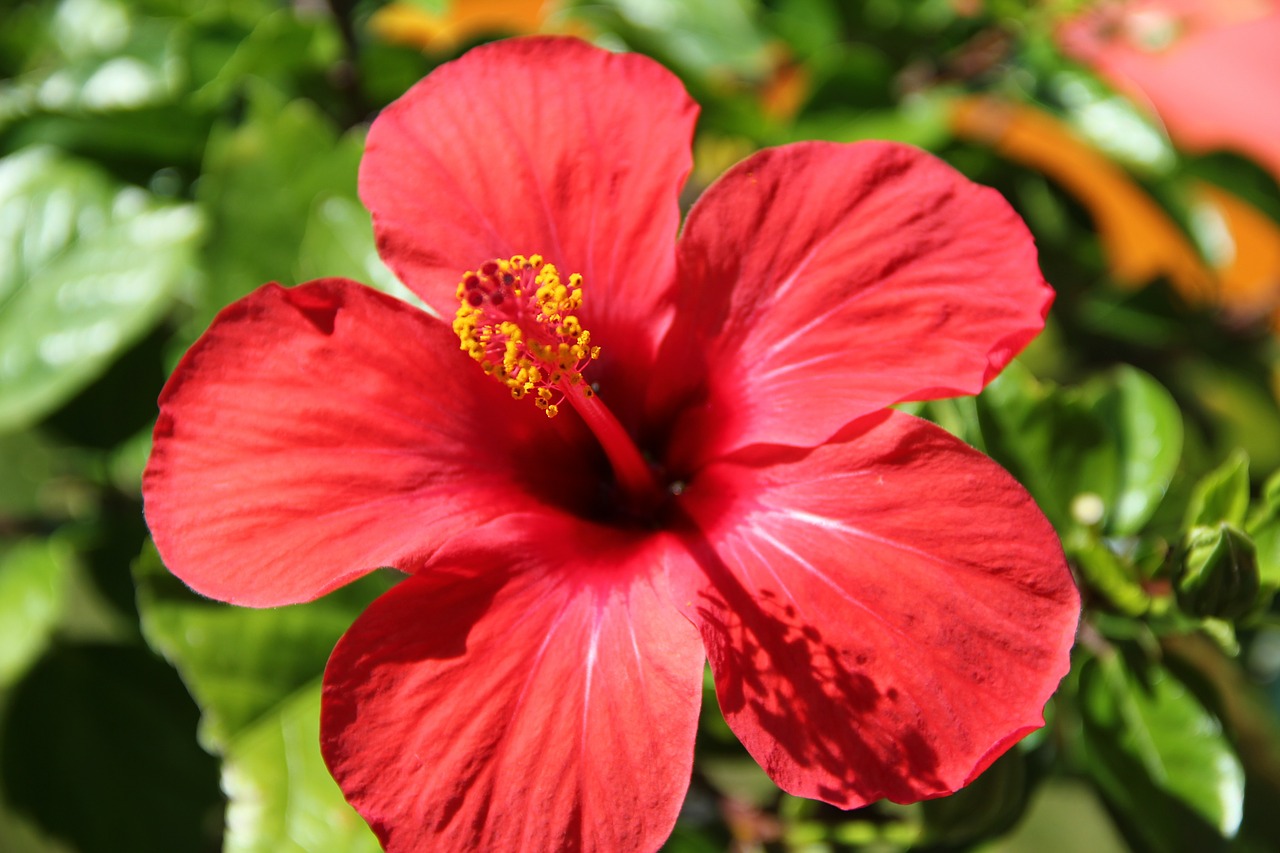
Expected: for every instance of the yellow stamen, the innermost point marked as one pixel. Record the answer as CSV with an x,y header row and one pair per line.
x,y
516,319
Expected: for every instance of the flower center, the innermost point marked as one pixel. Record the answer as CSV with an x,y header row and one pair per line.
x,y
516,318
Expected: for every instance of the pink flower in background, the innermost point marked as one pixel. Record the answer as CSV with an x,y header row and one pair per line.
x,y
1209,70
884,609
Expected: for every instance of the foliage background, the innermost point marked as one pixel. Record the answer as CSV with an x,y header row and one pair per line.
x,y
161,158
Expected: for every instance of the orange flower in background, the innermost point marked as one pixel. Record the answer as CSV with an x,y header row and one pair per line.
x,y
1209,70
1249,269
1141,241
411,25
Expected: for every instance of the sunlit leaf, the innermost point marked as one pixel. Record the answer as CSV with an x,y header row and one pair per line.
x,y
339,242
86,266
256,677
1116,440
281,798
261,179
33,576
1159,756
1147,427
1222,494
238,662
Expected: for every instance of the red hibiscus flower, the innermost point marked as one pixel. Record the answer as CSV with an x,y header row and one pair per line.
x,y
884,609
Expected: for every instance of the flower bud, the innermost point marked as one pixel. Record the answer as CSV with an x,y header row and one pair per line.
x,y
1219,576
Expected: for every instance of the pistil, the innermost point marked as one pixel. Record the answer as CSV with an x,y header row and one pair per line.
x,y
517,318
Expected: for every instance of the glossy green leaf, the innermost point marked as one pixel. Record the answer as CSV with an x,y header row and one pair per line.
x,y
256,676
1114,441
1222,494
339,242
1160,758
33,581
241,663
1264,527
1052,441
1146,425
260,181
281,796
86,266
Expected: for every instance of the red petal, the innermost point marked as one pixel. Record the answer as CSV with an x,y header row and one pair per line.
x,y
315,433
553,711
884,614
822,282
543,145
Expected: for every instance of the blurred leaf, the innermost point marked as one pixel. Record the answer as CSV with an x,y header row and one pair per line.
x,y
1117,438
98,750
281,796
987,806
260,181
282,47
29,463
1052,442
256,676
33,579
103,58
1147,427
1159,757
1064,815
339,242
241,663
1106,573
1264,526
1244,412
1222,494
1112,123
86,266
706,38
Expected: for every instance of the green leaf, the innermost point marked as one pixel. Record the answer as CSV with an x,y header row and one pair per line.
x,y
987,806
1222,494
281,796
1146,425
86,267
240,663
339,242
33,580
1264,527
256,676
1159,757
260,182
1115,440
1049,441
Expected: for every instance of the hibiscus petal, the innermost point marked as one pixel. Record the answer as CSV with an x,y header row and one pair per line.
x,y
822,282
884,614
483,714
545,145
315,433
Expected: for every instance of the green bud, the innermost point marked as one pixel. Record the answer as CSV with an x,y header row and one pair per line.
x,y
1219,576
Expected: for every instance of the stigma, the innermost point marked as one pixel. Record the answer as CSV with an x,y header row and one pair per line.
x,y
516,318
